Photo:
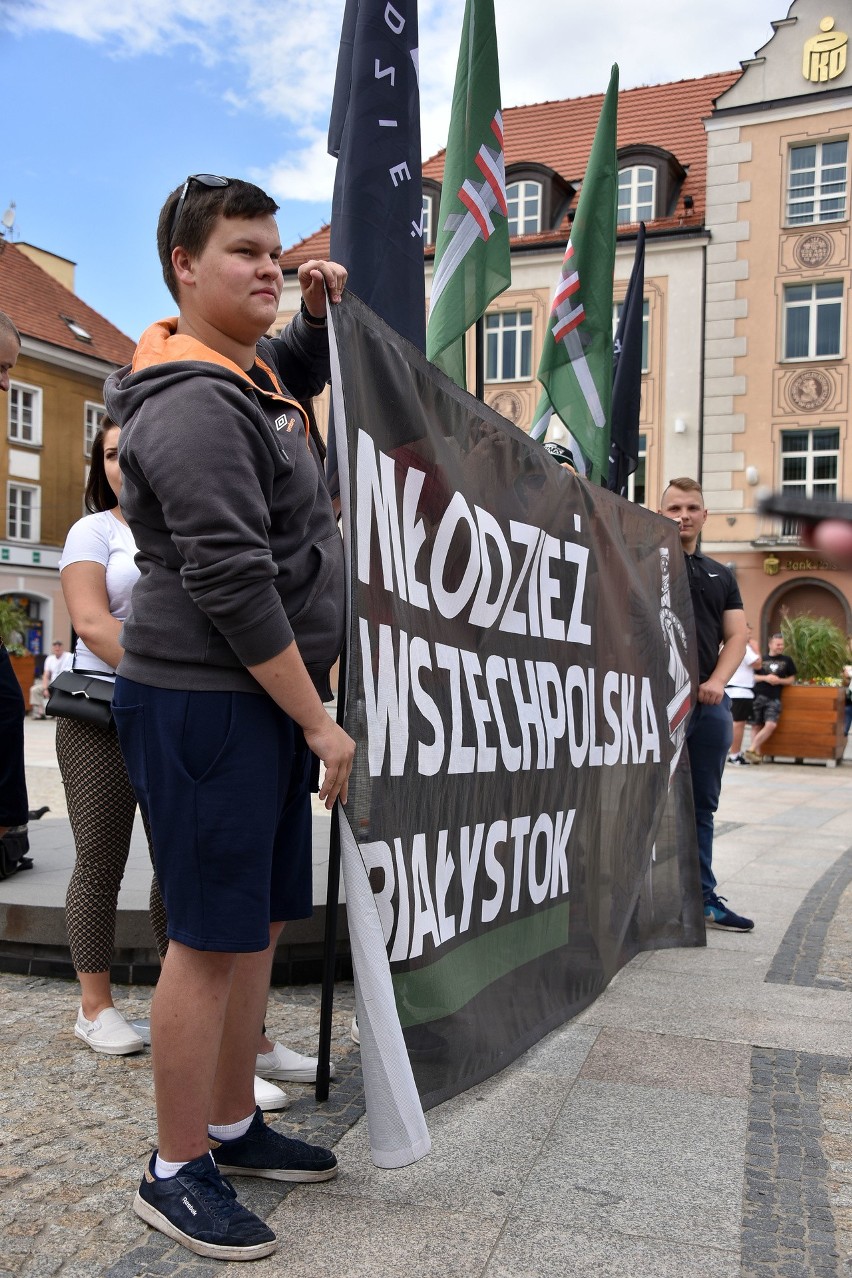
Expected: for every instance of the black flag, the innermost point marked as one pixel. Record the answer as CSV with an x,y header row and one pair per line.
x,y
377,211
627,377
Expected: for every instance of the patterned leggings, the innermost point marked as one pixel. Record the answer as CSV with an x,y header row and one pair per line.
x,y
101,808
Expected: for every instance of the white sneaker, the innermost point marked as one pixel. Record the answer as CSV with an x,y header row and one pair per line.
x,y
108,1033
268,1096
285,1065
354,1032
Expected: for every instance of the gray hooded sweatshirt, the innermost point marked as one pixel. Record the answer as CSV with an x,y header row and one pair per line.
x,y
237,543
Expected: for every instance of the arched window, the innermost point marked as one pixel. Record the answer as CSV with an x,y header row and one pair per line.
x,y
524,204
636,194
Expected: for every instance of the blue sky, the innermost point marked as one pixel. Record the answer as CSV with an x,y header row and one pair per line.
x,y
108,104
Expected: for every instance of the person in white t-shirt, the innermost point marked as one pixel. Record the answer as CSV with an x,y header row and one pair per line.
x,y
98,571
741,693
54,663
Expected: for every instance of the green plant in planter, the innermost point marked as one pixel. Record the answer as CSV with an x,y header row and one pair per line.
x,y
13,626
818,648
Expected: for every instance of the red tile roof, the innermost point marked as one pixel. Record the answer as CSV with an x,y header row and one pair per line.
x,y
560,134
36,303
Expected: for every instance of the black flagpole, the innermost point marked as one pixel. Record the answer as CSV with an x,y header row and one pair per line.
x,y
329,959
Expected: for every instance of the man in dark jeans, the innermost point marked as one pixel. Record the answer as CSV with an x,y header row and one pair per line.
x,y
13,786
720,627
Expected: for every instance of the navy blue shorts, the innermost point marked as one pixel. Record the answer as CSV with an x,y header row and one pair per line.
x,y
224,779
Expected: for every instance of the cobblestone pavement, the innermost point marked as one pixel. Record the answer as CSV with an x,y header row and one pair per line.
x,y
816,950
695,1122
796,1199
76,1129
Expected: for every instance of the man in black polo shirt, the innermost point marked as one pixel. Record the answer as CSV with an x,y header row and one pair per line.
x,y
720,628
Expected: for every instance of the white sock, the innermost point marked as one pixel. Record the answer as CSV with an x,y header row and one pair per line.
x,y
165,1171
230,1131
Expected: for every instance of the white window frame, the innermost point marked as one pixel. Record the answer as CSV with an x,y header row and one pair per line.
x,y
517,194
617,308
427,220
14,513
16,390
808,486
93,415
813,304
813,213
631,209
498,325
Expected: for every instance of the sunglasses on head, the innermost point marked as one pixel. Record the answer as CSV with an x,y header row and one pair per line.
x,y
203,179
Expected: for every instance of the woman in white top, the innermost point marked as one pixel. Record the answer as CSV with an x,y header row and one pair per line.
x,y
98,571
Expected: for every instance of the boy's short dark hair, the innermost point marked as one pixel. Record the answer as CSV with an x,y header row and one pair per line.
x,y
201,208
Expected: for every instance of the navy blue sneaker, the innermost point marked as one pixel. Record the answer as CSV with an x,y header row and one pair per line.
x,y
199,1209
717,914
265,1152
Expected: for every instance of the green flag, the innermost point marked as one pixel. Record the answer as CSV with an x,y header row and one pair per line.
x,y
576,361
472,250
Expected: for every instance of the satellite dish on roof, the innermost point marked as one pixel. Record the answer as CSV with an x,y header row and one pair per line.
x,y
8,219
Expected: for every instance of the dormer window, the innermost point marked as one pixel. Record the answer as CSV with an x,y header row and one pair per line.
x,y
636,194
524,202
650,184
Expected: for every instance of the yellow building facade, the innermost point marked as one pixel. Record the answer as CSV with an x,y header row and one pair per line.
x,y
777,344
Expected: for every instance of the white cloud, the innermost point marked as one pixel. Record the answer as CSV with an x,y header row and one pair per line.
x,y
284,66
306,173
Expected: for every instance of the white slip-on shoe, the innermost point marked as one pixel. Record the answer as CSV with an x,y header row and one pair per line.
x,y
108,1033
268,1096
287,1066
354,1032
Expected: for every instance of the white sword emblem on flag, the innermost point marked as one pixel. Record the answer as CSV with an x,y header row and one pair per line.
x,y
480,201
567,317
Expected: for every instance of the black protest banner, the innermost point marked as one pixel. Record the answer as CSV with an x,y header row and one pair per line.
x,y
519,678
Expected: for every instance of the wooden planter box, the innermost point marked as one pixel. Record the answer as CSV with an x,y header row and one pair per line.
x,y
811,724
24,668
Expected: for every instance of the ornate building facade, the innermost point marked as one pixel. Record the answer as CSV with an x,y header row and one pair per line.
x,y
742,180
50,415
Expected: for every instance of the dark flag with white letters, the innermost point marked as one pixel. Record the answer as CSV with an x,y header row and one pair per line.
x,y
377,210
520,668
627,376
